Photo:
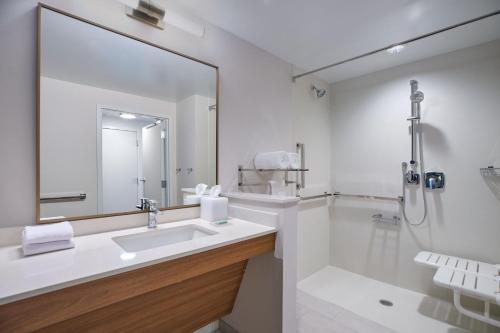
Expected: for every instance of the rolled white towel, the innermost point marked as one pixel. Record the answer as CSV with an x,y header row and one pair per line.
x,y
62,231
272,160
36,248
294,159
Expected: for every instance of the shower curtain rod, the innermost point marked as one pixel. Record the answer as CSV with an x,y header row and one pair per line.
x,y
295,77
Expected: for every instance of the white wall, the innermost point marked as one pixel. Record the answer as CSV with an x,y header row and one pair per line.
x,y
254,105
68,144
461,133
312,122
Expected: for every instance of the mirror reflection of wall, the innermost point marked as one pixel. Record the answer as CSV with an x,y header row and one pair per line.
x,y
196,120
119,120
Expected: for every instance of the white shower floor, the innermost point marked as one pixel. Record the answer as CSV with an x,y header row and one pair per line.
x,y
335,300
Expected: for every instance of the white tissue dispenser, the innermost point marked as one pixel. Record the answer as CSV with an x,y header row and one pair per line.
x,y
213,208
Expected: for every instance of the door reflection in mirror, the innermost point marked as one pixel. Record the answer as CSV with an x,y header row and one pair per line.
x,y
134,160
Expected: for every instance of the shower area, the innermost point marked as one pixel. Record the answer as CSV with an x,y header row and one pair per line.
x,y
399,221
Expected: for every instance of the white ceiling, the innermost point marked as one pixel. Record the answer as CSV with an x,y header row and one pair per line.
x,y
96,57
314,33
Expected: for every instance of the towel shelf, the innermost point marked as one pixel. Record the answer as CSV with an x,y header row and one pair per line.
x,y
241,170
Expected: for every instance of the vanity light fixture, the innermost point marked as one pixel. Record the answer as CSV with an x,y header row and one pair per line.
x,y
150,13
127,115
396,49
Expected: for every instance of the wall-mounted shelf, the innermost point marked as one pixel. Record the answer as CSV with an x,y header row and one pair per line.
x,y
490,171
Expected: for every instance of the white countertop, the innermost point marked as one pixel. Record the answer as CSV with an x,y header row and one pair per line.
x,y
96,256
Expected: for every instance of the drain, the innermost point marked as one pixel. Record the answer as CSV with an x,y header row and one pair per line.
x,y
385,302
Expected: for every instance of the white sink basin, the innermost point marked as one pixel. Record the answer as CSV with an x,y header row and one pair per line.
x,y
161,237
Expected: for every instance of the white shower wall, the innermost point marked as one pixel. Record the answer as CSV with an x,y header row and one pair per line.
x,y
311,119
461,133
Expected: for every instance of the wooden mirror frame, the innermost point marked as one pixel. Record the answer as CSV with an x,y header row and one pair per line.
x,y
37,135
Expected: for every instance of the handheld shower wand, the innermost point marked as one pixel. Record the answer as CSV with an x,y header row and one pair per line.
x,y
412,176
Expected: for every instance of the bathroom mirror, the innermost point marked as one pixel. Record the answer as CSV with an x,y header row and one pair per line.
x,y
118,119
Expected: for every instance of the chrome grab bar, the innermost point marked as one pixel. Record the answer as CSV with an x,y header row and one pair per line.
x,y
364,196
358,196
62,197
319,196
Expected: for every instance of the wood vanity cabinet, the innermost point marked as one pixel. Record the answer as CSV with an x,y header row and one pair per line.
x,y
180,295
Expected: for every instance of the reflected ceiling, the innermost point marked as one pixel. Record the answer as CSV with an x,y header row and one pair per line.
x,y
82,53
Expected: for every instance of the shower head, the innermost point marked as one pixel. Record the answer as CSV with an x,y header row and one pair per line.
x,y
417,97
318,93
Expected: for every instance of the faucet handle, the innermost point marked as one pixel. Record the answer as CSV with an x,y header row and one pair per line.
x,y
148,204
142,204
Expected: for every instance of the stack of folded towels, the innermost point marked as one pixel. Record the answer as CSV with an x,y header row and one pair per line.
x,y
47,238
277,160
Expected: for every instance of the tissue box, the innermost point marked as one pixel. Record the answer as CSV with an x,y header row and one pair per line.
x,y
213,209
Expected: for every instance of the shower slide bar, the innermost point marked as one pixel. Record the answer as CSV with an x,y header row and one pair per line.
x,y
357,196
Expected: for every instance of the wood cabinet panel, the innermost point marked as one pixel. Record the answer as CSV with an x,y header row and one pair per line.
x,y
181,307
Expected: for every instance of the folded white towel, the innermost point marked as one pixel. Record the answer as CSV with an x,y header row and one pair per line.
x,y
35,248
272,160
192,199
294,159
62,231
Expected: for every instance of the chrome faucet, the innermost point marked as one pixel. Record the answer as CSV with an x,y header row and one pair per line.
x,y
152,207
